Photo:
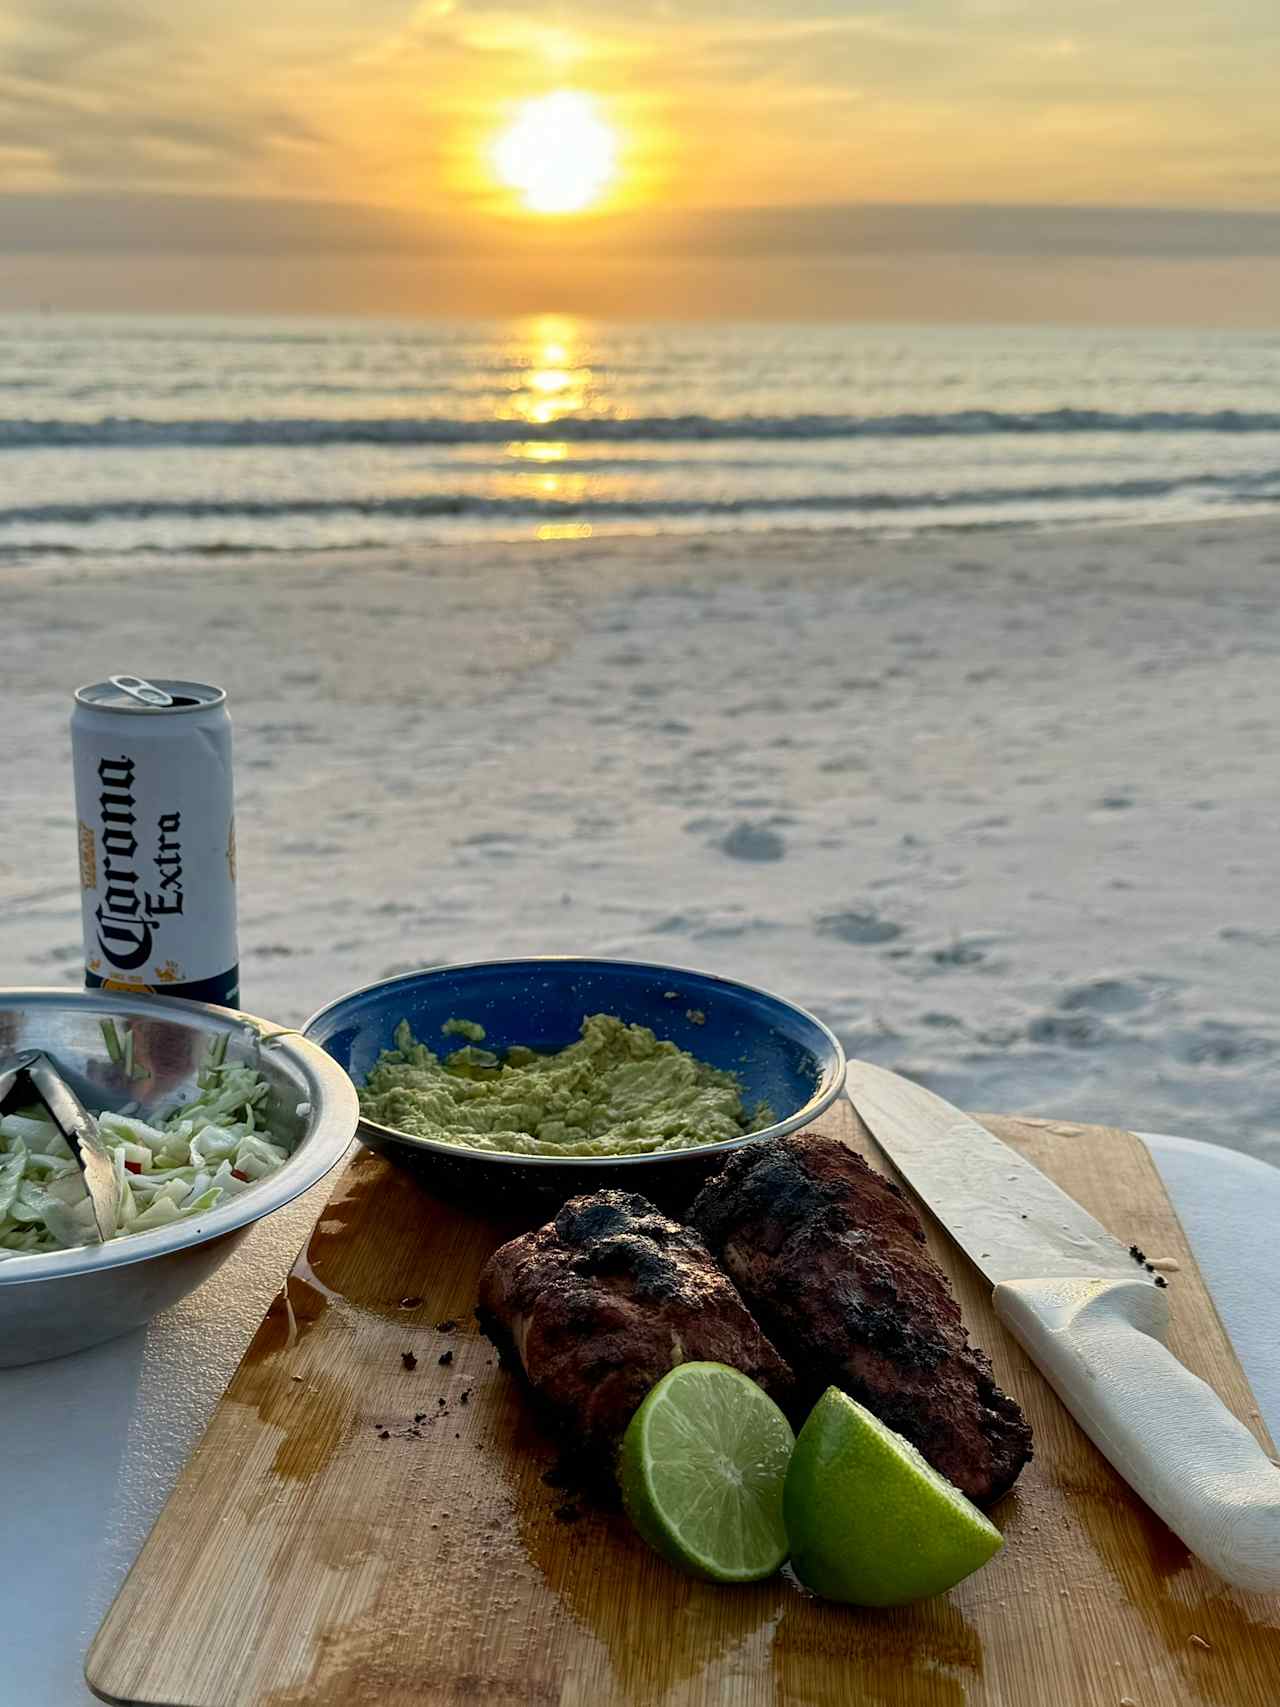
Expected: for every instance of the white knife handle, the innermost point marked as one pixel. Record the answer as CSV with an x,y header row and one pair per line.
x,y
1101,1345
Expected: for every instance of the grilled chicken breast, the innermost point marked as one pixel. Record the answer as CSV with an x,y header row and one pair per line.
x,y
830,1258
601,1302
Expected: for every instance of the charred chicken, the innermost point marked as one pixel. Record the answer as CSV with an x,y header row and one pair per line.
x,y
830,1258
601,1302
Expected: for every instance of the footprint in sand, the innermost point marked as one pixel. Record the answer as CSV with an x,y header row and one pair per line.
x,y
1256,938
964,951
752,842
1221,1043
1077,1030
862,927
1106,996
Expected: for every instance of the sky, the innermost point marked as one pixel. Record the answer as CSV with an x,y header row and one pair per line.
x,y
927,159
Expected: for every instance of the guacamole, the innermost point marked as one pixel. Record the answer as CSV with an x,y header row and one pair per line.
x,y
617,1091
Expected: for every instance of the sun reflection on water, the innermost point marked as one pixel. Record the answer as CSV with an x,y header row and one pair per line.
x,y
549,380
538,450
553,380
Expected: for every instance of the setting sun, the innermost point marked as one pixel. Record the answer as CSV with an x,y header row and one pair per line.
x,y
558,153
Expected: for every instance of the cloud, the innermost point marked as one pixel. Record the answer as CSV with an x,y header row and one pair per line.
x,y
58,43
140,224
124,223
119,93
390,102
972,229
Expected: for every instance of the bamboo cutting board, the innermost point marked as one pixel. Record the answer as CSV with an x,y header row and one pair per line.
x,y
354,1531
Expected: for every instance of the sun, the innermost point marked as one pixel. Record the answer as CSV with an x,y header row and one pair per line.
x,y
558,153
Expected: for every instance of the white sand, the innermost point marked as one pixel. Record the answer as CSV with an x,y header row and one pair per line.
x,y
998,807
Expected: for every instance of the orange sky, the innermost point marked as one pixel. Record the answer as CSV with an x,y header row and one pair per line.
x,y
381,116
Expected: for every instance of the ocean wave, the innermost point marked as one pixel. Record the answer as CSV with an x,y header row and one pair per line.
x,y
136,432
1254,486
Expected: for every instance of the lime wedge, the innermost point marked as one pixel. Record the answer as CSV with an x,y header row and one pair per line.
x,y
702,1467
869,1521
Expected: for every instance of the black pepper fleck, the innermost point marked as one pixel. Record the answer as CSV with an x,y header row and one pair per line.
x,y
1139,1256
384,1434
464,1396
446,1327
408,1359
445,1357
1161,1281
419,1416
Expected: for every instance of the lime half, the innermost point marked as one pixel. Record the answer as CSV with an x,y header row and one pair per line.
x,y
702,1468
869,1521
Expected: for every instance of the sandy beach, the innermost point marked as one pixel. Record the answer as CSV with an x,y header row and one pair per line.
x,y
995,805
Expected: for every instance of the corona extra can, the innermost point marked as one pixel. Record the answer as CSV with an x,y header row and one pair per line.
x,y
156,817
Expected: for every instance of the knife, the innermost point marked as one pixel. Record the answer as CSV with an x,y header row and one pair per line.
x,y
1093,1322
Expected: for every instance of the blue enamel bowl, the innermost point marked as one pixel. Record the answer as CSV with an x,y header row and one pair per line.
x,y
782,1055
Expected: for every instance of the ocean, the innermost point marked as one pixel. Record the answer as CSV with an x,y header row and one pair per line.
x,y
122,436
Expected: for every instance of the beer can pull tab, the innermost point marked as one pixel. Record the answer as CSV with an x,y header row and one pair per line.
x,y
147,692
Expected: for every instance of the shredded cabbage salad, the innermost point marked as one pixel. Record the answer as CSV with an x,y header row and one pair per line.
x,y
206,1150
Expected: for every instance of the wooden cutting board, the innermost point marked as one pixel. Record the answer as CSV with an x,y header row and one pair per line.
x,y
351,1530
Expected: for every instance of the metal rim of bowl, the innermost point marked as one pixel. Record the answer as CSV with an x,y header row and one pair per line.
x,y
821,1100
318,1155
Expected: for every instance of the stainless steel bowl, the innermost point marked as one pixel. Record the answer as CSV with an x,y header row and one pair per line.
x,y
62,1301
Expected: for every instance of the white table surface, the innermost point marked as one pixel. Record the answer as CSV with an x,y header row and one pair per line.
x,y
91,1445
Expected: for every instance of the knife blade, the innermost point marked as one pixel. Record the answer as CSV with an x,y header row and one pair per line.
x,y
1010,1219
1092,1321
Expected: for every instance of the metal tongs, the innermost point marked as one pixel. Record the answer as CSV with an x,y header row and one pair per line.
x,y
33,1069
